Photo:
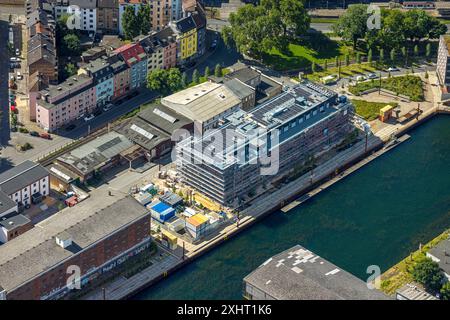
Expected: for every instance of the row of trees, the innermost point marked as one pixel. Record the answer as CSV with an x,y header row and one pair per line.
x,y
396,28
257,29
167,81
136,23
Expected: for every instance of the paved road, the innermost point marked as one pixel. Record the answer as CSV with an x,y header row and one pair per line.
x,y
4,67
82,127
402,71
221,54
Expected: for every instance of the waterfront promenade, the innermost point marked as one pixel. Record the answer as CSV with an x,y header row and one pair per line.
x,y
122,288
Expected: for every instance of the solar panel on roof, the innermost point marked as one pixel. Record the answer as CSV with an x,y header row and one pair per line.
x,y
164,115
141,131
109,144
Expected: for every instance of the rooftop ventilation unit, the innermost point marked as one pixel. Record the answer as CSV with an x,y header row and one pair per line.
x,y
63,240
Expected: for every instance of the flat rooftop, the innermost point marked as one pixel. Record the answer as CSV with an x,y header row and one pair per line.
x,y
12,221
299,274
296,109
35,251
94,154
412,291
74,82
202,102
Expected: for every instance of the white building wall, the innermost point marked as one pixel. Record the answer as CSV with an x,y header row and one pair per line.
x,y
24,195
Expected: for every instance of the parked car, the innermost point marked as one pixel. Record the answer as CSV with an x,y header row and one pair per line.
x,y
360,78
70,127
89,117
34,133
19,75
46,136
107,107
392,69
14,59
372,76
97,112
213,45
17,52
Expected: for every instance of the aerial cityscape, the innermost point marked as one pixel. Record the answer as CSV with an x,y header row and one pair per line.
x,y
224,150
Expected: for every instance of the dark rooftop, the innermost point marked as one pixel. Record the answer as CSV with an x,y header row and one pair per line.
x,y
13,221
21,176
163,118
6,203
186,24
244,74
441,254
299,274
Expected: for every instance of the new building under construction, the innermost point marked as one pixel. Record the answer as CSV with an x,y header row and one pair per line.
x,y
251,148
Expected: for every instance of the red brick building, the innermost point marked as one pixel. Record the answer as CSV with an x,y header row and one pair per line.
x,y
39,263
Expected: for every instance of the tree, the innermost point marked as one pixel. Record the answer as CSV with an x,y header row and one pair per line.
x,y
313,67
445,291
253,31
428,50
347,60
130,23
369,56
325,65
381,55
358,58
195,76
184,81
393,55
291,14
71,44
352,25
336,61
207,72
143,19
428,273
165,81
416,50
69,70
257,29
218,70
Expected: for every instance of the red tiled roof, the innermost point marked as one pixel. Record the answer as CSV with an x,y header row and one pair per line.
x,y
128,51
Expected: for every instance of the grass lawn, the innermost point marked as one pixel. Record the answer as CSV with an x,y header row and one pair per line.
x,y
324,20
408,85
370,110
400,274
302,54
346,71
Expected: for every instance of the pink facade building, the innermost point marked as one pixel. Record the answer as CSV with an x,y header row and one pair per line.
x,y
122,76
65,102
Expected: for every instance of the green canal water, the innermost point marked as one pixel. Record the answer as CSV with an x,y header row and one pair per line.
x,y
376,216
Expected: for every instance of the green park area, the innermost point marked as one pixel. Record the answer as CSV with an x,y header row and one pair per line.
x,y
344,71
302,54
408,85
277,33
416,267
370,110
